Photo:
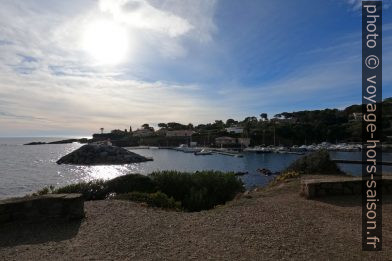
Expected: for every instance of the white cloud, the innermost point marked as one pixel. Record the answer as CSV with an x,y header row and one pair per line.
x,y
200,14
48,82
86,103
140,14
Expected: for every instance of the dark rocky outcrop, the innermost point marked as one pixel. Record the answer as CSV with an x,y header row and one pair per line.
x,y
101,154
83,141
36,143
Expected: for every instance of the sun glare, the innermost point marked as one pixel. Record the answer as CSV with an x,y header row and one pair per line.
x,y
107,42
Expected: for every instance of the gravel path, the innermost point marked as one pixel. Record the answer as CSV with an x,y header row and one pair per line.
x,y
272,224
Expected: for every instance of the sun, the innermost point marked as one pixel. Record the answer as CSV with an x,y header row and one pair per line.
x,y
107,42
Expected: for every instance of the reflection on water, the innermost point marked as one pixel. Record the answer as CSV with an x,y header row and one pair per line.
x,y
25,169
88,173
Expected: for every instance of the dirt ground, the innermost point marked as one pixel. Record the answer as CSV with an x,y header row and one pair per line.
x,y
270,224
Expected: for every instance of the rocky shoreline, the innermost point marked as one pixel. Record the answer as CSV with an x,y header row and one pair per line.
x,y
92,154
67,141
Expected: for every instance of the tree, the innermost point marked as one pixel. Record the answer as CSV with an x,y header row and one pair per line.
x,y
117,132
278,115
219,124
145,126
162,125
287,115
264,116
176,126
250,119
231,122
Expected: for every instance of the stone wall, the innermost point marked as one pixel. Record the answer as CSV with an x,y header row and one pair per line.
x,y
313,188
42,208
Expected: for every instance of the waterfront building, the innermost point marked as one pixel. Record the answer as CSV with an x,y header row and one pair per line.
x,y
235,129
225,141
143,133
179,133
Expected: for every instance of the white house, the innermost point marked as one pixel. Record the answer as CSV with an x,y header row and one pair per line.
x,y
143,133
225,141
235,129
179,133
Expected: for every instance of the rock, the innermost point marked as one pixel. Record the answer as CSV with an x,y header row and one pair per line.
x,y
35,143
265,171
247,194
101,155
83,140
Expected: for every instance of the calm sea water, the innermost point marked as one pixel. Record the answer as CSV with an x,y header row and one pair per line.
x,y
25,169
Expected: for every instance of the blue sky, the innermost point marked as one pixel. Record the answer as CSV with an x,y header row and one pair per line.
x,y
71,67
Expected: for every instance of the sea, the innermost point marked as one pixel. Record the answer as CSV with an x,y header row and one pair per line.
x,y
26,169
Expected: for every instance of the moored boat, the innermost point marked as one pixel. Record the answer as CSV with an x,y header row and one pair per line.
x,y
203,152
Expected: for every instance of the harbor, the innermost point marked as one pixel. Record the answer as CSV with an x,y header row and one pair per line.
x,y
259,149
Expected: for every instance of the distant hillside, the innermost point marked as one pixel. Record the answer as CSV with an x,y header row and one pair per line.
x,y
286,128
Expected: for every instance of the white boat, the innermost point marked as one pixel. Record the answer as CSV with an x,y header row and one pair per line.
x,y
190,149
280,150
203,152
258,149
184,148
264,150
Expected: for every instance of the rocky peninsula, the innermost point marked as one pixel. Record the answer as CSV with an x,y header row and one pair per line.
x,y
92,154
67,141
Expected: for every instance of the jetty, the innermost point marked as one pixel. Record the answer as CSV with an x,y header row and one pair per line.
x,y
226,153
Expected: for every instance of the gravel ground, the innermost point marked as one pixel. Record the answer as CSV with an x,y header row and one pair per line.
x,y
271,224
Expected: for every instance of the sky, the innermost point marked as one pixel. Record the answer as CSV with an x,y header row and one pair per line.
x,y
68,68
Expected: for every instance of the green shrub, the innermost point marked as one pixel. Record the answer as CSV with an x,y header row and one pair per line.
x,y
317,162
200,190
130,183
196,191
46,190
173,183
99,189
157,199
92,190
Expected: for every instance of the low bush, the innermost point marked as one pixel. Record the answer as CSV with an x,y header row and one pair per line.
x,y
196,191
200,190
46,190
130,183
157,199
92,190
318,162
99,189
173,183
